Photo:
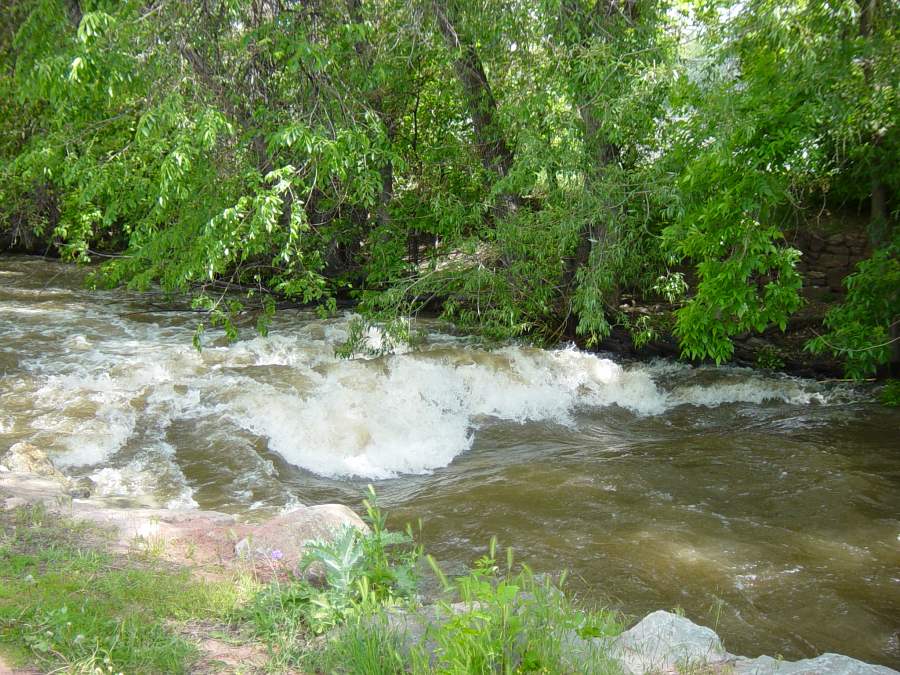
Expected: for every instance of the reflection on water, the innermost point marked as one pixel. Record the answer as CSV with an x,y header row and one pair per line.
x,y
768,506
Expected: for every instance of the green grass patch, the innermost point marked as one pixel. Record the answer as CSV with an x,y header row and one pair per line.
x,y
67,603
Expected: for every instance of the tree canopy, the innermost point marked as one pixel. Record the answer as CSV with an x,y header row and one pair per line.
x,y
517,165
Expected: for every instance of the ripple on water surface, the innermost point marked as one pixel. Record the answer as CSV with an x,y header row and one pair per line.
x,y
761,503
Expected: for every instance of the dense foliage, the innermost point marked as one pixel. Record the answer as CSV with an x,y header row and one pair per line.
x,y
522,166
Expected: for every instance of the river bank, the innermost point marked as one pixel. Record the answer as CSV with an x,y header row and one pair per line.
x,y
660,484
830,258
225,565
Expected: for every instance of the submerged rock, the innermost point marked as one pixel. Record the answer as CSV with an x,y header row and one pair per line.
x,y
27,458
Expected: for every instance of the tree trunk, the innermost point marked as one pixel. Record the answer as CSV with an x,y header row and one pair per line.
x,y
73,9
879,233
600,153
495,154
364,52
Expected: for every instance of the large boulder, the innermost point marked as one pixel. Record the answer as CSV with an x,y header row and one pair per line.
x,y
826,664
665,642
206,538
168,532
27,458
281,539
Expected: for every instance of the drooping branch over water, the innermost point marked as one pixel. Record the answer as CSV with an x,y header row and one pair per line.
x,y
524,169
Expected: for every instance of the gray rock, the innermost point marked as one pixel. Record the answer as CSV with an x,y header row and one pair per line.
x,y
818,293
826,664
834,261
667,642
815,244
836,279
415,628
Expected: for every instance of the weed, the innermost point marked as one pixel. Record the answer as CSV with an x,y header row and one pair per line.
x,y
512,622
890,394
769,358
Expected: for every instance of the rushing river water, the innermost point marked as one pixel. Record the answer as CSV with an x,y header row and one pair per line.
x,y
766,506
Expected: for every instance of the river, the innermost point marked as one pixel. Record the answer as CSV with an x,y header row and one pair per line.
x,y
764,506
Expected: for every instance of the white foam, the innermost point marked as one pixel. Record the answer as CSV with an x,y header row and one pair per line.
x,y
140,478
109,387
749,391
413,413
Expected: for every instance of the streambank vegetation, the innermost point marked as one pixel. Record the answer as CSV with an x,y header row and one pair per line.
x,y
551,170
68,603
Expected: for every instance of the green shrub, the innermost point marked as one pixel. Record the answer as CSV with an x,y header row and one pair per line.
x,y
512,622
890,394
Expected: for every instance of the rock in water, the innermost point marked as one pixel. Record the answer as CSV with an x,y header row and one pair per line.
x,y
27,458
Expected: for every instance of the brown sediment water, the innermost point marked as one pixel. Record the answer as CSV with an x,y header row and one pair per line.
x,y
765,506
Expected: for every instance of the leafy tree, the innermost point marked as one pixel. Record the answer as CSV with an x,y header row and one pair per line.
x,y
519,167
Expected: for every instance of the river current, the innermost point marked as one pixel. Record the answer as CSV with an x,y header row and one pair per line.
x,y
764,506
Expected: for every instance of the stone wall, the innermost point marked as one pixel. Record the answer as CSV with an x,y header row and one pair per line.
x,y
828,257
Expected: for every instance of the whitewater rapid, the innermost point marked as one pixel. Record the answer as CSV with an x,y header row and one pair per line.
x,y
102,385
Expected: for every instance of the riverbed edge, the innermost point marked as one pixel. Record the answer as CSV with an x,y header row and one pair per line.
x,y
210,540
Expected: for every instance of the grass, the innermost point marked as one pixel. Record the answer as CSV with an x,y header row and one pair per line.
x,y
68,605
368,618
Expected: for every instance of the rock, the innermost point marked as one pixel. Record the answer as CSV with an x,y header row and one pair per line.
x,y
665,642
836,239
82,488
834,261
27,458
414,628
826,664
21,489
835,280
195,536
288,533
815,278
160,529
11,503
839,251
817,293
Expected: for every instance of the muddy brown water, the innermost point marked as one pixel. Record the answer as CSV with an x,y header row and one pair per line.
x,y
765,506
